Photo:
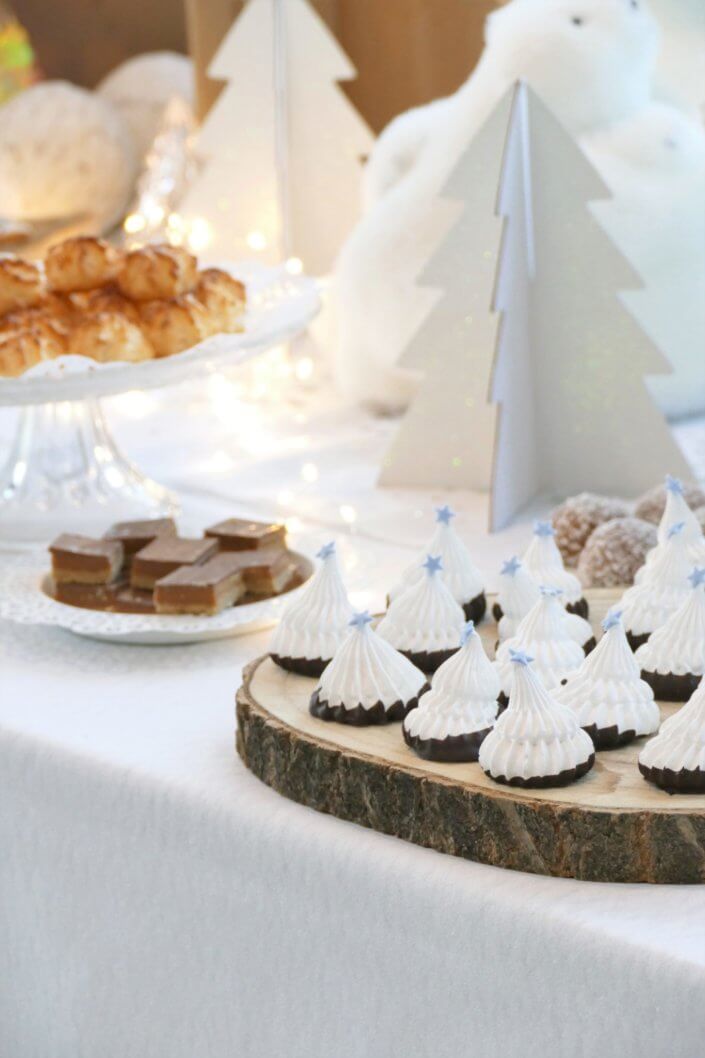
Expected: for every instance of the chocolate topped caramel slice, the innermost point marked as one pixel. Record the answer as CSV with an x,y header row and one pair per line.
x,y
79,559
266,571
205,589
135,535
164,555
238,534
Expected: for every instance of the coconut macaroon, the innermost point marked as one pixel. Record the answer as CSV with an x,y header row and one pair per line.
x,y
108,337
544,562
612,702
224,299
460,574
452,719
425,621
675,759
368,681
648,605
81,263
21,284
676,512
536,742
315,624
154,273
544,633
672,661
175,325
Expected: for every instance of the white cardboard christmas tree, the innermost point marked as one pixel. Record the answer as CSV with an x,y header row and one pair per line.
x,y
283,146
537,388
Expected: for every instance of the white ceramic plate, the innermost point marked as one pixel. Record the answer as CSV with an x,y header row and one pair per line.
x,y
23,601
280,306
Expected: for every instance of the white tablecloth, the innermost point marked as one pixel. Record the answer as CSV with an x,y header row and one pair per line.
x,y
157,901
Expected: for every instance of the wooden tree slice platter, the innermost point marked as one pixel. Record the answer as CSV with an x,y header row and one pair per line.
x,y
610,826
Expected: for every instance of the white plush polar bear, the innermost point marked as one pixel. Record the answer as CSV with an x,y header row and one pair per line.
x,y
591,61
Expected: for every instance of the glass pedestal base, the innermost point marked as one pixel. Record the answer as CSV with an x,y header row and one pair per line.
x,y
65,473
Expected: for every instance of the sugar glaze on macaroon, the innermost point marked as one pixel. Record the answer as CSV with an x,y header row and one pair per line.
x,y
607,694
672,661
648,605
316,622
459,571
425,622
545,635
544,562
675,759
452,719
368,681
536,742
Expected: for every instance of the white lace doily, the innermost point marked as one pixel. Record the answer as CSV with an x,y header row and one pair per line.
x,y
23,601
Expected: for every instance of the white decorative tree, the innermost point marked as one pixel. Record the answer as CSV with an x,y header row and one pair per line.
x,y
564,380
283,146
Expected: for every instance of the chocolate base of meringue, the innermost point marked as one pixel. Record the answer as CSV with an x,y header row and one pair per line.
x,y
608,737
636,640
669,687
428,660
580,607
476,609
301,666
455,749
359,716
537,782
682,781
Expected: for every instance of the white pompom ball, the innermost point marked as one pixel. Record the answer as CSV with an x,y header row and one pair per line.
x,y
141,87
64,151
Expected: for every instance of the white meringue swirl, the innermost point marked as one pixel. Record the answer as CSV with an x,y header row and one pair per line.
x,y
663,587
545,635
462,699
678,646
680,744
424,618
316,622
459,573
366,670
544,562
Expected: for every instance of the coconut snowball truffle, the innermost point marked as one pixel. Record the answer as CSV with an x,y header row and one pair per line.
x,y
544,562
649,603
425,622
675,759
607,694
544,633
652,504
315,624
536,742
460,575
615,551
578,517
672,660
368,681
451,721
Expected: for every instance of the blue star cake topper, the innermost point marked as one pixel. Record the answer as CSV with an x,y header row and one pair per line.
x,y
543,529
520,657
445,515
674,485
360,620
675,529
697,577
433,564
549,592
326,551
614,617
467,633
511,566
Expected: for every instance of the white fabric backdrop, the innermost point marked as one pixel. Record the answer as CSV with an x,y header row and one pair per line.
x,y
156,901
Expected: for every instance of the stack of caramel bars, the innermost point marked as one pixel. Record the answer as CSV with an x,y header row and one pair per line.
x,y
145,567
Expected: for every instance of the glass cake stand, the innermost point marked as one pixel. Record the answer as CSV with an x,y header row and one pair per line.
x,y
63,471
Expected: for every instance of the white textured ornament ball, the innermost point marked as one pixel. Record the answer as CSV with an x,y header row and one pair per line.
x,y
141,87
64,151
615,551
